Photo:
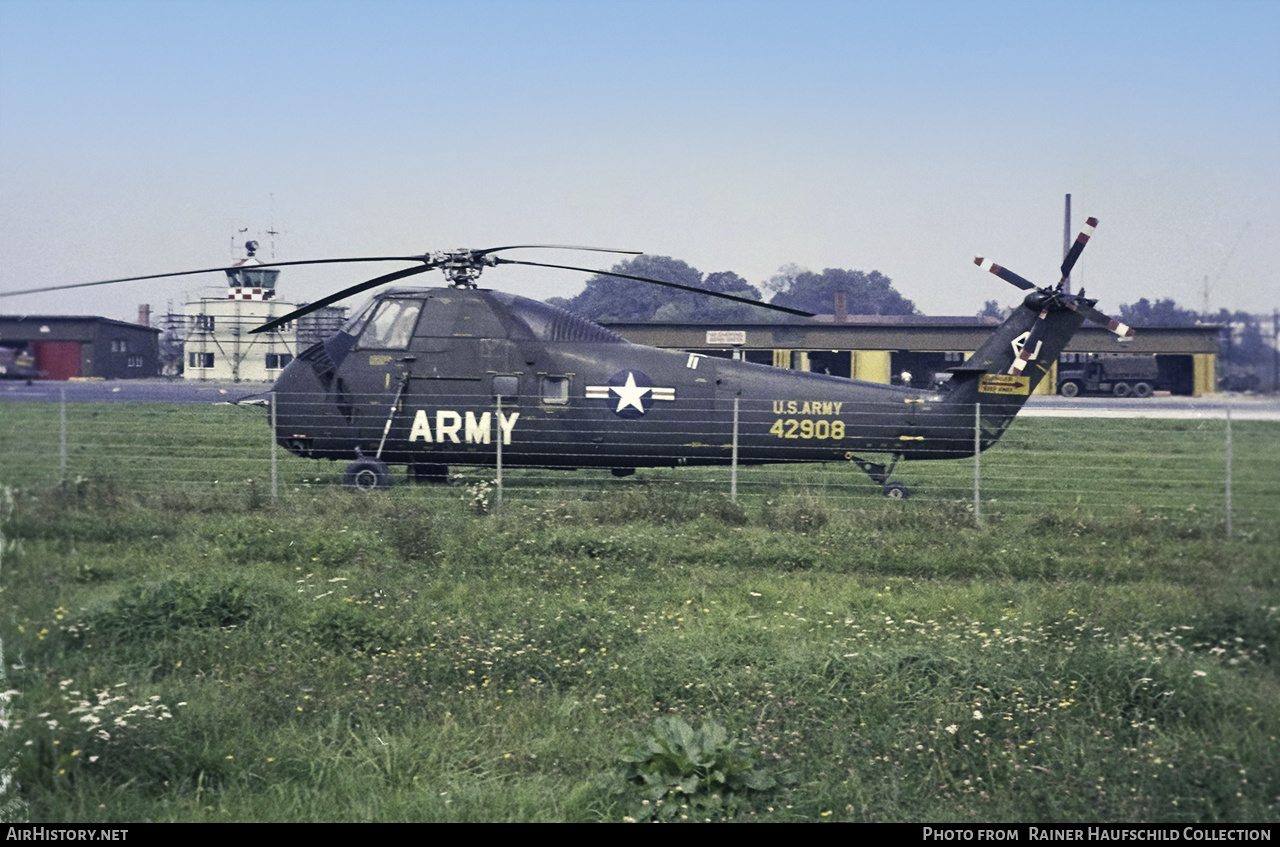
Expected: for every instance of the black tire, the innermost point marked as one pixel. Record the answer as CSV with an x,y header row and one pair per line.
x,y
433,474
366,474
1069,389
895,491
1142,389
1121,389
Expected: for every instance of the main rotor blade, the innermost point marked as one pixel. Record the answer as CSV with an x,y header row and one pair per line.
x,y
215,270
1004,273
557,247
341,295
1074,253
719,294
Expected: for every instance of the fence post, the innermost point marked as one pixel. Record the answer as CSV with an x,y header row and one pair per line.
x,y
275,494
733,465
62,438
497,499
1228,491
977,461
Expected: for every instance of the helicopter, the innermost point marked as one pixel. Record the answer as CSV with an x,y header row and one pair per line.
x,y
431,378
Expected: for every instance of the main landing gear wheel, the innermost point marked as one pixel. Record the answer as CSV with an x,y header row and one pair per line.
x,y
433,474
895,491
366,474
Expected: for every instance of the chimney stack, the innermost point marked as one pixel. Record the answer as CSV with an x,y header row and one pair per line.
x,y
841,311
144,314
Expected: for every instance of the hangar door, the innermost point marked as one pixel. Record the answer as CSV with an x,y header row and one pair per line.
x,y
58,359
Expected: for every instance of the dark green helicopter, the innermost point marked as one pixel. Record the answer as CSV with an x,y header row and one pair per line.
x,y
433,377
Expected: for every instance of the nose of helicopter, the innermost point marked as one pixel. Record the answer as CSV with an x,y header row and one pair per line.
x,y
308,422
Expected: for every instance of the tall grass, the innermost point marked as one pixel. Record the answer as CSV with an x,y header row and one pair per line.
x,y
197,656
179,646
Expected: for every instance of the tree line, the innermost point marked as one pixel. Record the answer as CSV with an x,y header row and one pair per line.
x,y
1247,358
609,299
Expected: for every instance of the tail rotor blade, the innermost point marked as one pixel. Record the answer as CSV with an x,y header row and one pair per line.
x,y
1074,253
1121,329
1004,273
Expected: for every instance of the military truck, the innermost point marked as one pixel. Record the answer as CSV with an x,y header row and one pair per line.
x,y
1119,376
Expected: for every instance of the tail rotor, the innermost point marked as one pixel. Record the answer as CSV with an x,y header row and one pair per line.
x,y
1046,299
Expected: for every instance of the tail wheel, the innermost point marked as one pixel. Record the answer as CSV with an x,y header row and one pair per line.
x,y
366,474
1121,389
1069,389
1142,389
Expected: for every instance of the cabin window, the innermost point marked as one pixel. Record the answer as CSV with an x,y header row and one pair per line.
x,y
555,390
506,387
391,326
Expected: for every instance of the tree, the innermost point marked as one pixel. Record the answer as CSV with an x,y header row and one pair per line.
x,y
613,300
1160,313
866,293
993,309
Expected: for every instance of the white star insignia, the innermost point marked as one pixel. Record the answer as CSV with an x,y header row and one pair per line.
x,y
630,394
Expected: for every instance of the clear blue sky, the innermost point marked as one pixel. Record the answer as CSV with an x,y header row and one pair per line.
x,y
904,137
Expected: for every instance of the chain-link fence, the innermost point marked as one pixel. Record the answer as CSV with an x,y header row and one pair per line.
x,y
1208,464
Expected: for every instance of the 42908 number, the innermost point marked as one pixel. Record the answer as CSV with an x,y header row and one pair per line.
x,y
807,428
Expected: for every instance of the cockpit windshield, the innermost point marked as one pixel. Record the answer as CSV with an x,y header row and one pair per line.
x,y
391,326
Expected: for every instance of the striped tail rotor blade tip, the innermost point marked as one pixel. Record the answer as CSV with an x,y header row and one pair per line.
x,y
1121,329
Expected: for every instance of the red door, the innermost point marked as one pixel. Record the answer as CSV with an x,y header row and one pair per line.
x,y
58,359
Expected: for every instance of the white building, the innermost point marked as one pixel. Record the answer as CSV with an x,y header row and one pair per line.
x,y
218,343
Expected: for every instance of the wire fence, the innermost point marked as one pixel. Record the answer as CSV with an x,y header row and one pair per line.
x,y
525,449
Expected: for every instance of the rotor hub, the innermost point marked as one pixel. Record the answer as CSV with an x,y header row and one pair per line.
x,y
462,267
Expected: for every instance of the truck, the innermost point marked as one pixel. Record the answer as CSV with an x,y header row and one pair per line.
x,y
1119,376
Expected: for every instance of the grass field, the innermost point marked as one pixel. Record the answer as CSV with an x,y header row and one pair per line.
x,y
181,647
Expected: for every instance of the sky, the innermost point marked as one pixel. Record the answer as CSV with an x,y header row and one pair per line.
x,y
903,137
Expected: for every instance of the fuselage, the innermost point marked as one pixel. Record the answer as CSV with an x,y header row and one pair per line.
x,y
445,376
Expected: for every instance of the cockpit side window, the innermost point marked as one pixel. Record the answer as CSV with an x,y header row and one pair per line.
x,y
356,323
391,326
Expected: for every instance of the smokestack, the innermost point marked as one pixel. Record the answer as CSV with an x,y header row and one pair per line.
x,y
841,310
1066,240
144,314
